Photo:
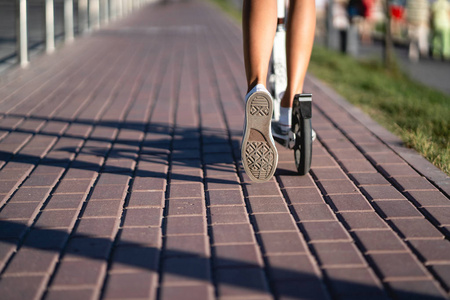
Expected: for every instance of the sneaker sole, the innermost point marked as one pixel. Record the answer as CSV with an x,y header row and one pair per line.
x,y
259,154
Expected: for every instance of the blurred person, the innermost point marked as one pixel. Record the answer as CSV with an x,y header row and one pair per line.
x,y
259,21
418,16
441,29
341,22
367,23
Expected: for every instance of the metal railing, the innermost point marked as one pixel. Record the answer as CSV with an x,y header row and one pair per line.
x,y
92,14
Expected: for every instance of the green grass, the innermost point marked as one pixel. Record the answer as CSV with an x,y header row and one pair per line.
x,y
419,115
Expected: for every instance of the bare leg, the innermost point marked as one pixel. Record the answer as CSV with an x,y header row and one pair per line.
x,y
259,23
299,42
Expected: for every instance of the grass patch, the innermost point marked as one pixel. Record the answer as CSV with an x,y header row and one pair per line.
x,y
419,115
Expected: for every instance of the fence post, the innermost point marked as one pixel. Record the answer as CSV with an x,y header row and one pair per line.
x,y
49,27
68,20
94,14
22,37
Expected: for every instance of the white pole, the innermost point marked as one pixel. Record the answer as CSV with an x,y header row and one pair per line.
x,y
68,20
22,38
94,16
49,27
105,11
83,24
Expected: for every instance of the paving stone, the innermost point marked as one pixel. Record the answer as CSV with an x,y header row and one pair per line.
x,y
225,197
329,174
300,290
65,201
103,208
358,166
274,222
381,192
383,158
186,225
296,181
243,282
282,243
267,204
191,190
137,285
432,251
269,188
149,184
413,183
187,245
31,287
6,249
195,292
237,256
184,270
99,227
186,176
368,179
146,199
48,239
76,174
44,180
232,234
73,187
416,229
32,261
135,258
439,213
379,240
109,192
69,294
186,206
428,198
304,195
359,282
87,272
228,215
397,170
397,209
337,187
363,220
322,161
35,194
349,202
313,212
398,265
83,247
113,179
25,210
340,254
424,289
325,231
289,267
143,217
57,219
443,273
226,182
149,236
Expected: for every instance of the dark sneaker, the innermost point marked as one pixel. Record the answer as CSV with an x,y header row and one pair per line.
x,y
258,151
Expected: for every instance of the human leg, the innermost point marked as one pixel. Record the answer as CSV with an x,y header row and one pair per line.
x,y
259,19
299,41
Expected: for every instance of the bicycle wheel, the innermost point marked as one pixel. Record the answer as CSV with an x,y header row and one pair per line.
x,y
303,142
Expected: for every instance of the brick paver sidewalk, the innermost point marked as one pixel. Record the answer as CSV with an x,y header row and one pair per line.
x,y
120,178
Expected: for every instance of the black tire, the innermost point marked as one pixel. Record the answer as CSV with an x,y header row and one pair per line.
x,y
303,143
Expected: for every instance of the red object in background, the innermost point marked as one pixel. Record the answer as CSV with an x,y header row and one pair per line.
x,y
397,12
367,8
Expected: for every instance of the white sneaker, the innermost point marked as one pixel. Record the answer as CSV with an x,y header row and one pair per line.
x,y
258,152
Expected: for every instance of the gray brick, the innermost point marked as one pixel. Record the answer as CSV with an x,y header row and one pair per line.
x,y
416,228
225,197
360,282
143,217
241,282
380,240
35,194
292,267
338,187
440,214
191,190
184,270
31,261
69,294
313,212
86,272
149,184
267,204
31,287
262,189
433,251
428,198
423,289
57,219
65,201
304,195
237,256
186,225
350,202
381,192
26,210
98,227
232,234
363,220
103,208
332,255
109,192
146,199
186,206
195,292
82,247
135,258
140,284
397,209
275,222
282,243
187,245
141,237
228,214
310,289
398,265
413,183
325,231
